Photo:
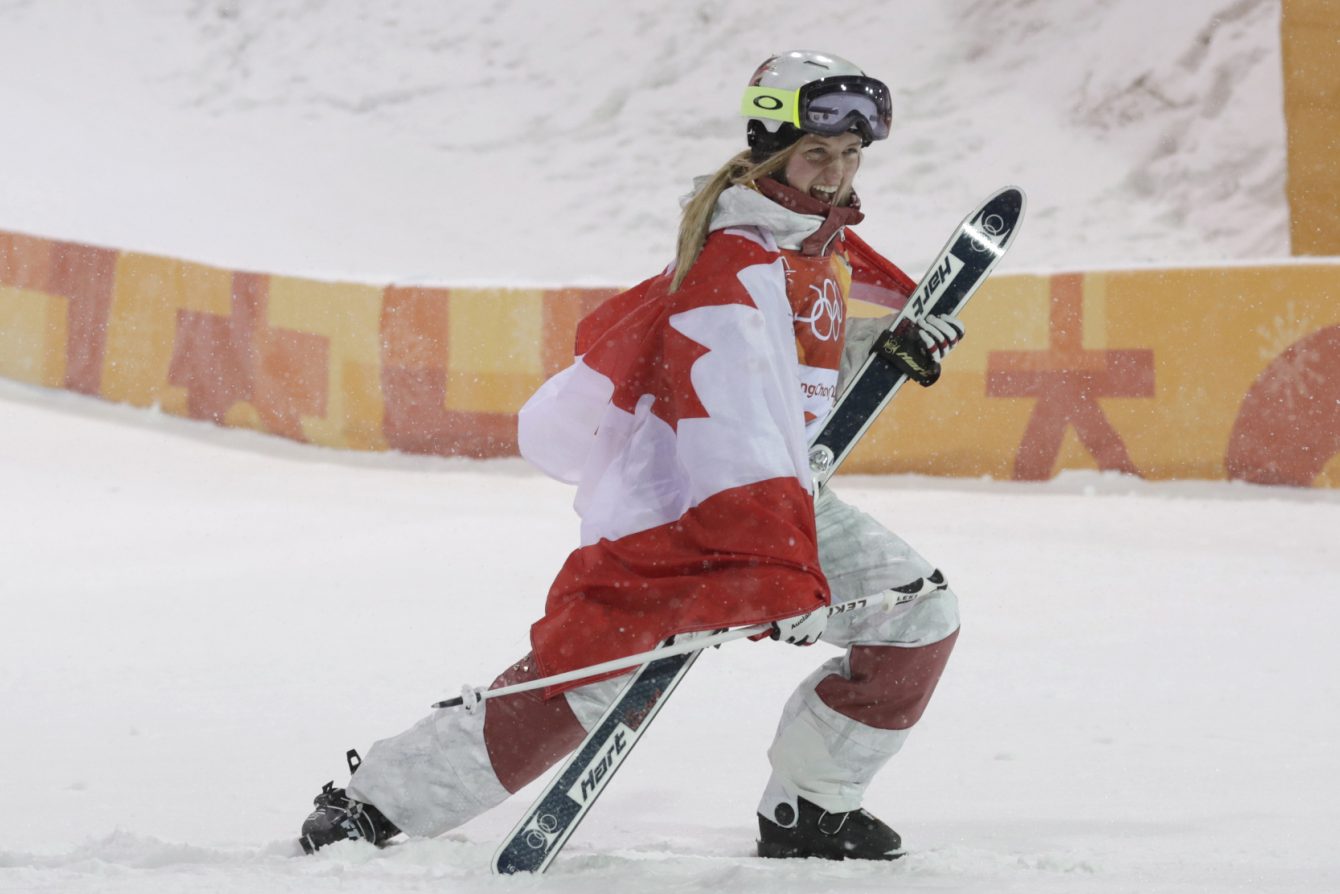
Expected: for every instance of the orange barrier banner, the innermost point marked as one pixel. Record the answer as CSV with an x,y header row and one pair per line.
x,y
1309,34
1195,373
1198,373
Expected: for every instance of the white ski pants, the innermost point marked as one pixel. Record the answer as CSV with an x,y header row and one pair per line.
x,y
839,727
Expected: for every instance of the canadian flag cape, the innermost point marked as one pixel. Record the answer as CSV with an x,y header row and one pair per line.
x,y
681,424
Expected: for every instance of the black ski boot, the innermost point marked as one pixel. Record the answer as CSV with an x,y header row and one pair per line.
x,y
855,835
338,817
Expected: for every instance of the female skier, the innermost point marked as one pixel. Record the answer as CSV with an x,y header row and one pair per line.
x,y
684,422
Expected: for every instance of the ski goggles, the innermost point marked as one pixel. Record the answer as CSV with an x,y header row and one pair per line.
x,y
827,107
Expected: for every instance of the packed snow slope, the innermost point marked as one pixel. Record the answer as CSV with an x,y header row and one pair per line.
x,y
516,142
199,621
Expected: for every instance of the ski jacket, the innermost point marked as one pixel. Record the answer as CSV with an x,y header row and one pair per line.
x,y
683,422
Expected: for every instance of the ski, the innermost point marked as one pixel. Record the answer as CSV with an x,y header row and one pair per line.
x,y
537,838
956,273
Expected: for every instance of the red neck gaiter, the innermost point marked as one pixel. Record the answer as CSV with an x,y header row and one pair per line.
x,y
835,216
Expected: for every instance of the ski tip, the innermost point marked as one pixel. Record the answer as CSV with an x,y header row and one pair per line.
x,y
1008,193
1013,195
999,216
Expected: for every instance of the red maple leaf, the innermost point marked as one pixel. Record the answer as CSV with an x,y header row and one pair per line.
x,y
664,369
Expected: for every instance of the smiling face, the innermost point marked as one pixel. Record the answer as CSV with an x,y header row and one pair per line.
x,y
824,167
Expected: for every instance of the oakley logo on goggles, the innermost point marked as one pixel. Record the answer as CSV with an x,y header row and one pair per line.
x,y
826,107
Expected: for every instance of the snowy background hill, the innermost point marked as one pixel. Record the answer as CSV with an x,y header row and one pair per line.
x,y
518,142
197,621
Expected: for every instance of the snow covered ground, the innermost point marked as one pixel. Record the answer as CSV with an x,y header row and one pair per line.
x,y
198,622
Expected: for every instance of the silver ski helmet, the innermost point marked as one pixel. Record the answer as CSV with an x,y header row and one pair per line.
x,y
805,91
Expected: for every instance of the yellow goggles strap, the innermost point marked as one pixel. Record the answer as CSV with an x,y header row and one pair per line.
x,y
767,102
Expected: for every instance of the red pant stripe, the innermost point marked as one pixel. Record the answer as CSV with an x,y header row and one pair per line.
x,y
525,733
889,686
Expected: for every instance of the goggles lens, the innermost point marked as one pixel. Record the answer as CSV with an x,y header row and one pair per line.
x,y
836,105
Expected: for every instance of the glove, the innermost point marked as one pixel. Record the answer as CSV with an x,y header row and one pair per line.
x,y
939,333
918,349
802,630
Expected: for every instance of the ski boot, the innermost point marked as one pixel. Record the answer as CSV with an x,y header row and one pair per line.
x,y
854,835
338,817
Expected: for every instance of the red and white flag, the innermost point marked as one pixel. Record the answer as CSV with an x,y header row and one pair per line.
x,y
681,422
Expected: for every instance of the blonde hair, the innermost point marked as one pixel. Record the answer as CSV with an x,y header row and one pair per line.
x,y
697,214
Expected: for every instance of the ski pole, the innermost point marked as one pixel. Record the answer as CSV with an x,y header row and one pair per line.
x,y
472,696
